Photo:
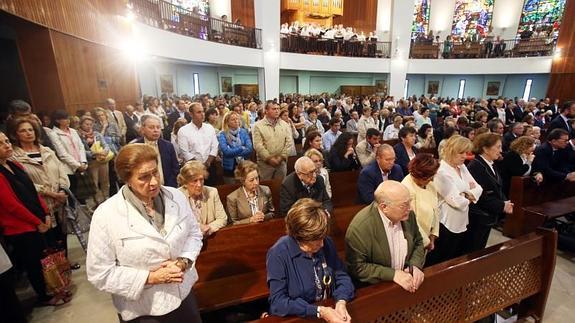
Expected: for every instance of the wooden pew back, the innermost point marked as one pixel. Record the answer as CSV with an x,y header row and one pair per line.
x,y
467,288
231,266
343,188
524,193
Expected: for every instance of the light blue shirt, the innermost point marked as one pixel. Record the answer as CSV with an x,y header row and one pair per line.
x,y
328,139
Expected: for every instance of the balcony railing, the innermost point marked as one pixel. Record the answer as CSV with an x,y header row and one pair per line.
x,y
164,15
334,47
501,49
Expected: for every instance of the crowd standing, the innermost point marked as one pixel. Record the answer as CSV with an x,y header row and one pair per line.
x,y
154,165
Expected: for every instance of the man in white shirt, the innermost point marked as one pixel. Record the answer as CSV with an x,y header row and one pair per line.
x,y
115,116
351,125
331,135
197,140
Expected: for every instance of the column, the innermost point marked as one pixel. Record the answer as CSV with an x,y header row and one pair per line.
x,y
506,15
267,16
383,19
219,8
441,17
401,18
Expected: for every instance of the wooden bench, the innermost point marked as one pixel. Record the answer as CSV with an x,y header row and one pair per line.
x,y
466,50
231,266
424,50
515,273
533,205
532,47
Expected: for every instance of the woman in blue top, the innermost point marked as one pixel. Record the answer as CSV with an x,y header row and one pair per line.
x,y
303,267
235,144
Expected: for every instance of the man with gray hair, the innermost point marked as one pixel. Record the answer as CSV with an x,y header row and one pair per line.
x,y
303,183
117,117
383,243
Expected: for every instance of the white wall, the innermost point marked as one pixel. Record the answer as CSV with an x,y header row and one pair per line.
x,y
525,65
506,16
292,61
383,20
476,85
441,17
313,82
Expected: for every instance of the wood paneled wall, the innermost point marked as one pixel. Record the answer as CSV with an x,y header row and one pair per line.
x,y
96,20
89,73
244,10
562,80
360,14
39,65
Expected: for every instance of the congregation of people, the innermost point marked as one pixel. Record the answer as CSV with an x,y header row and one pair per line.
x,y
433,174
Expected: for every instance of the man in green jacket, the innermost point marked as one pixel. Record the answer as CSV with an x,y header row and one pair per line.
x,y
382,242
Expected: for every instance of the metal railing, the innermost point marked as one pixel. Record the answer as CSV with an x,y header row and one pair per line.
x,y
295,43
484,49
164,15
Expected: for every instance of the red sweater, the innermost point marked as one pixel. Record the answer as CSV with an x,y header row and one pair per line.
x,y
15,218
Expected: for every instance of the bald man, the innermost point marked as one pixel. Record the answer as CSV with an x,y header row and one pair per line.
x,y
303,182
383,243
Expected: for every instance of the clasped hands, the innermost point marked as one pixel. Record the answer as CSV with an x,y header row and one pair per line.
x,y
274,160
338,314
409,281
167,273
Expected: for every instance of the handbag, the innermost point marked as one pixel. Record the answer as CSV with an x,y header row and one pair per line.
x,y
56,270
76,218
85,187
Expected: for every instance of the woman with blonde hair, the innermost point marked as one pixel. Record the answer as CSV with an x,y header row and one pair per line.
x,y
317,157
251,202
234,143
456,189
517,162
303,268
204,200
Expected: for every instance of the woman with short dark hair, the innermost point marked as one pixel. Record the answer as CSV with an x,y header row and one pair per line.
x,y
492,204
303,267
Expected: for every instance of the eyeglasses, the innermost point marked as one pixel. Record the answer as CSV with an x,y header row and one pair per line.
x,y
313,173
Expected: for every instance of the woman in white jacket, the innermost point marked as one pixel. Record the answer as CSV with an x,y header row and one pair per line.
x,y
143,244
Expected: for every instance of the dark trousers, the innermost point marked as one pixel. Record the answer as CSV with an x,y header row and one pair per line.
x,y
28,248
187,312
476,237
448,245
10,307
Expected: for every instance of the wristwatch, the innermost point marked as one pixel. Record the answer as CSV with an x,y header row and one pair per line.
x,y
183,263
318,312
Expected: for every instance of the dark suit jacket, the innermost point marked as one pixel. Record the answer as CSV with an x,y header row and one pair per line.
x,y
511,165
292,190
172,118
509,117
553,165
559,123
492,200
401,157
519,114
370,178
131,123
367,252
508,138
170,166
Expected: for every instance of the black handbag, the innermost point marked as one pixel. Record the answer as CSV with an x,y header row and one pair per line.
x,y
85,187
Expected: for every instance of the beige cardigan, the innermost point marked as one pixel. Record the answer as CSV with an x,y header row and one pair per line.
x,y
48,176
239,208
213,213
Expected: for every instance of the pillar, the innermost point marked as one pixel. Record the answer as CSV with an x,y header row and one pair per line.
x,y
402,16
267,16
383,19
219,8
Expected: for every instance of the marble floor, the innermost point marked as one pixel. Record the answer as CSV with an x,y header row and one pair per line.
x,y
92,306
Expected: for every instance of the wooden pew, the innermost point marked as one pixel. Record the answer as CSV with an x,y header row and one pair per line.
x,y
343,188
466,50
231,266
424,50
533,204
514,273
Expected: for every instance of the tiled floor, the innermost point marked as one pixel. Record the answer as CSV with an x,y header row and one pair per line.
x,y
90,305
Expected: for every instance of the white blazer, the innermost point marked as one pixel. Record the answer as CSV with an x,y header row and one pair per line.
x,y
453,207
123,247
64,150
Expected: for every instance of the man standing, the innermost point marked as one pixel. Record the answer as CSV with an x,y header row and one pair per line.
x,y
515,131
329,138
272,143
132,121
115,116
351,125
366,149
383,168
197,141
167,160
383,243
562,120
303,183
181,112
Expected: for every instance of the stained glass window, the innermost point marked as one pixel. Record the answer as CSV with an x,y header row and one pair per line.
x,y
472,18
542,15
420,18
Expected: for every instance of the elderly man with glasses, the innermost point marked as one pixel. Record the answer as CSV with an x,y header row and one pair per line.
x,y
303,183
